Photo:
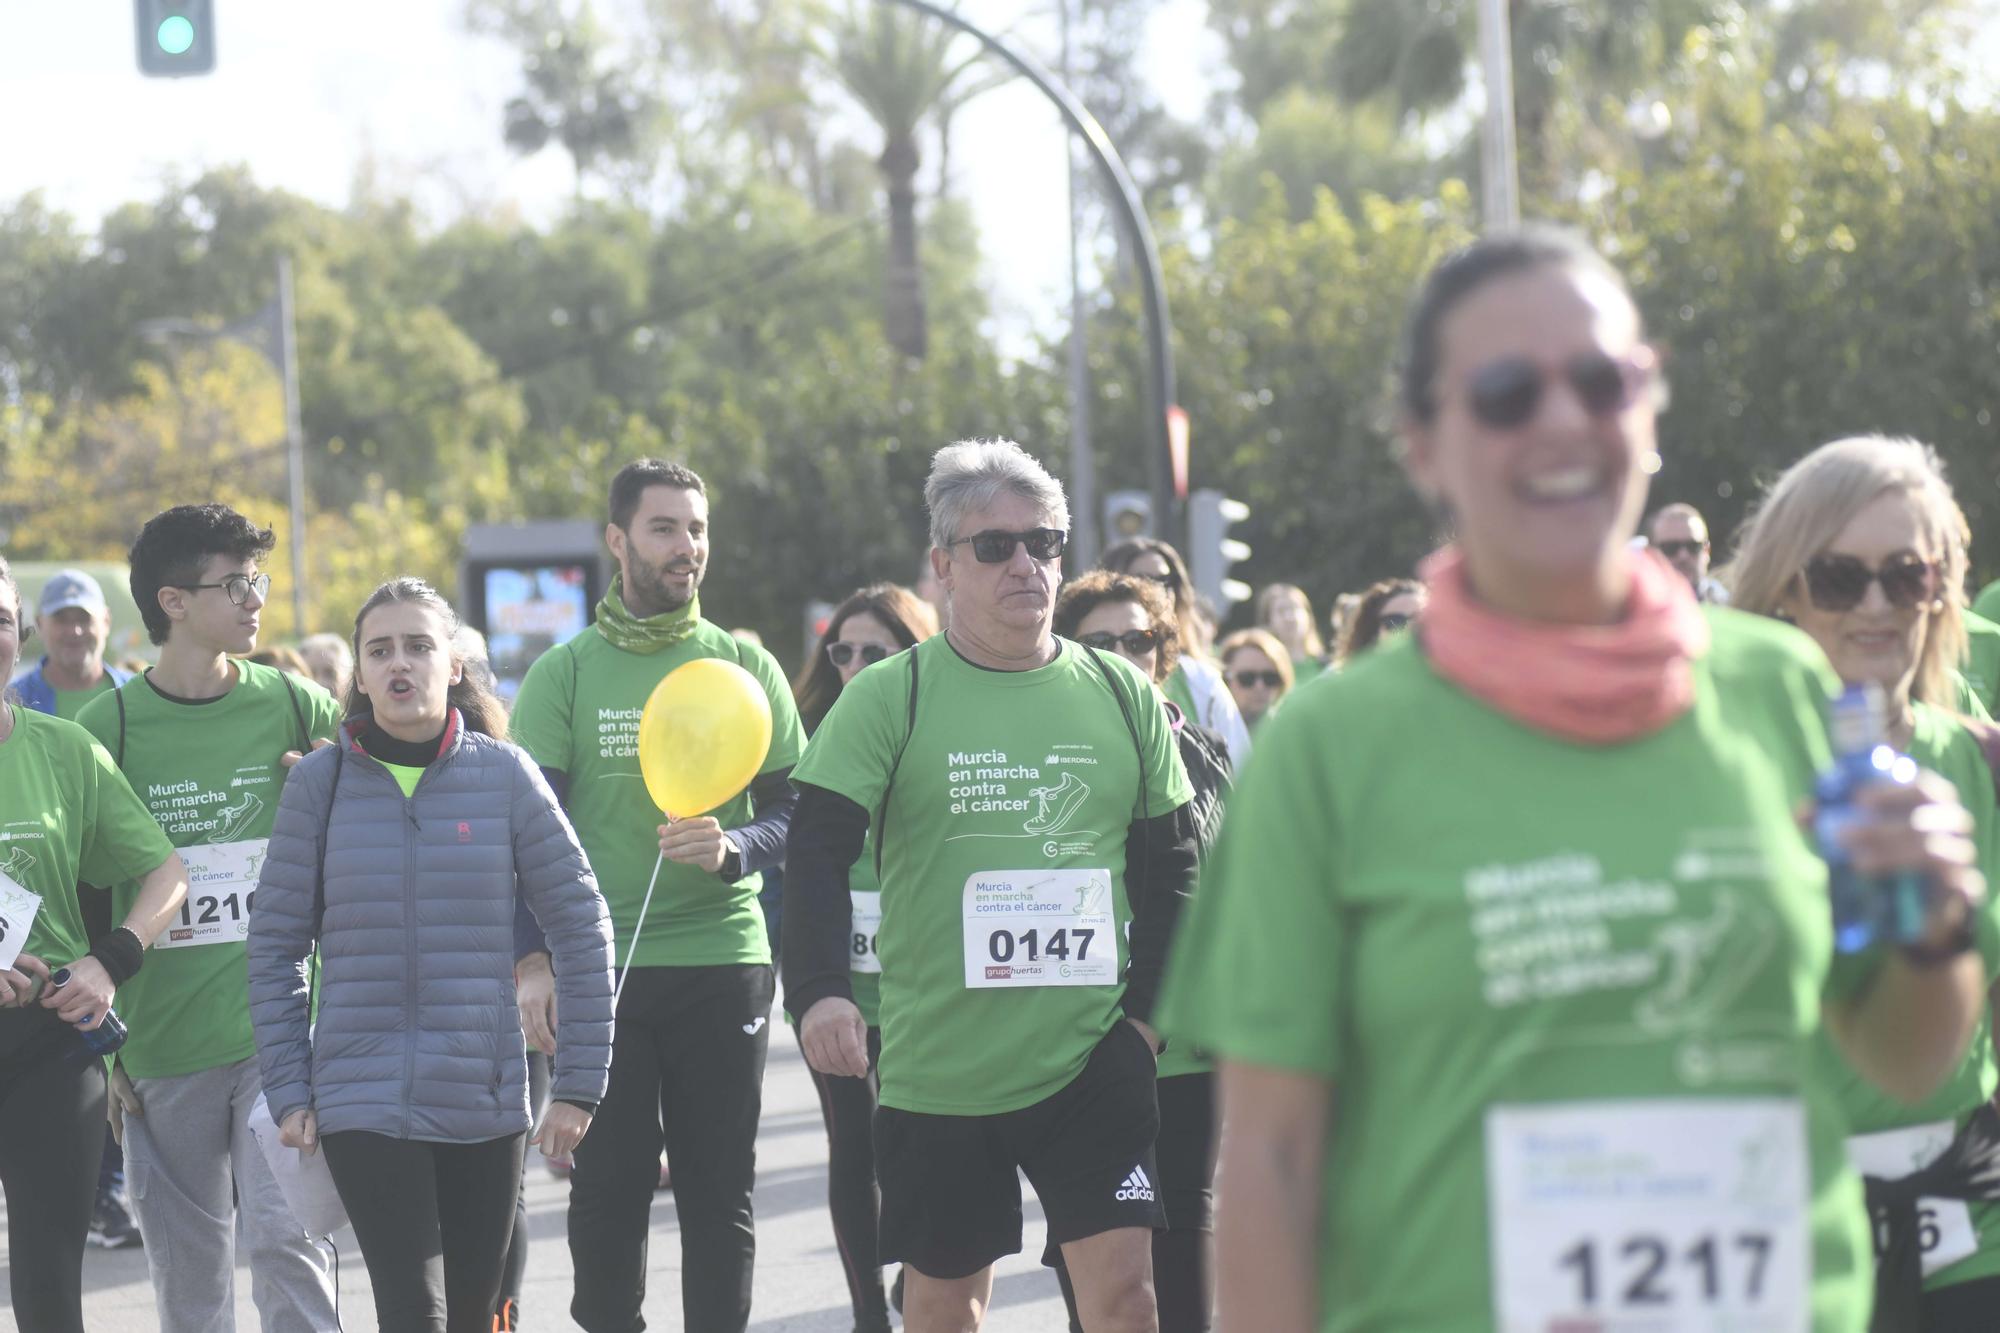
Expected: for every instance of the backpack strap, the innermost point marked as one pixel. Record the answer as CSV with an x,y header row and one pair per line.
x,y
298,713
910,730
118,693
1124,711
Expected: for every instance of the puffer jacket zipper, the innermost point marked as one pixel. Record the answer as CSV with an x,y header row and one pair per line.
x,y
411,828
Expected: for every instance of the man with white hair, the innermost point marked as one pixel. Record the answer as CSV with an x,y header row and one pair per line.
x,y
1026,800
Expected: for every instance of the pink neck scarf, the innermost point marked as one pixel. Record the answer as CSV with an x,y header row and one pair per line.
x,y
1592,684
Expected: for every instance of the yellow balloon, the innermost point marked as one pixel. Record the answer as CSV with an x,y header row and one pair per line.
x,y
703,736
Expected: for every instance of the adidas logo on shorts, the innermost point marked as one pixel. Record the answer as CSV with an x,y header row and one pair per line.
x,y
1136,1186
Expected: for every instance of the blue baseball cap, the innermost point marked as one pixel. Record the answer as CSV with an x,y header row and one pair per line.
x,y
71,587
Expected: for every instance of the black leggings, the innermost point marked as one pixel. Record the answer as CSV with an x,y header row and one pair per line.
x,y
507,1310
51,1139
1964,1307
1183,1254
687,1071
847,1105
433,1220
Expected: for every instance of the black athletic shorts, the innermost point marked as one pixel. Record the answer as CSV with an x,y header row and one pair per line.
x,y
951,1198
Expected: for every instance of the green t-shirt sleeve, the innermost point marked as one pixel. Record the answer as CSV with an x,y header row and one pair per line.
x,y
852,749
120,839
1259,968
99,717
1968,701
788,735
544,709
322,714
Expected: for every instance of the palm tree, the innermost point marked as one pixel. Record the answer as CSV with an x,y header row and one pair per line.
x,y
901,68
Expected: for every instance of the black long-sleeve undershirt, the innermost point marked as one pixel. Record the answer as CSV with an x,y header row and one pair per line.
x,y
827,834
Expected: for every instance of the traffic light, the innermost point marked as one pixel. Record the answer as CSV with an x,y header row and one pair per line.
x,y
1211,550
1127,514
176,37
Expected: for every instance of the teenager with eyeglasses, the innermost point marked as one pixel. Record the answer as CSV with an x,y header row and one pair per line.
x,y
1026,801
1388,607
68,819
687,1068
1259,672
1195,685
207,739
871,625
1514,950
1134,618
1861,545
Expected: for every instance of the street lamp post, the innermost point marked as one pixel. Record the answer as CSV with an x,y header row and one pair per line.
x,y
1499,176
1132,212
272,332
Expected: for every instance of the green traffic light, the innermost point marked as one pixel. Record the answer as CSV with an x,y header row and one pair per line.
x,y
176,35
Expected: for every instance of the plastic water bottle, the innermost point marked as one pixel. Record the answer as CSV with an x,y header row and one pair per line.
x,y
1867,910
104,1039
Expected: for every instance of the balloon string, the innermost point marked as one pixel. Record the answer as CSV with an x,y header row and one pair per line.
x,y
633,947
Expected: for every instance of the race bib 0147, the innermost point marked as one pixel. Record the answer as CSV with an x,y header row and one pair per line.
x,y
222,881
1040,928
1649,1216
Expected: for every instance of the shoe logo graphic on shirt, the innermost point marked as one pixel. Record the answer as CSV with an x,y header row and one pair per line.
x,y
754,1026
1058,804
231,820
17,865
1136,1187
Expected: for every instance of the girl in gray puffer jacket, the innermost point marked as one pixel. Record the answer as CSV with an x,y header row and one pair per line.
x,y
400,853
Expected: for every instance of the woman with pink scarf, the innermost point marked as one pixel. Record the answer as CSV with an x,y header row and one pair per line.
x,y
1514,949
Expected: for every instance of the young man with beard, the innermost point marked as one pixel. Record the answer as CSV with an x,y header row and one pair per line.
x,y
692,1027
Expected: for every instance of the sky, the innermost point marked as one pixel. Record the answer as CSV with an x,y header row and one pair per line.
x,y
313,97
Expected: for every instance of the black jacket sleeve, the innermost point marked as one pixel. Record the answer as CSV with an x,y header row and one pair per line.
x,y
826,837
528,936
762,840
1159,879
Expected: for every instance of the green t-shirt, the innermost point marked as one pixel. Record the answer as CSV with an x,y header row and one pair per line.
x,y
1981,667
1940,744
1607,962
578,714
1305,669
69,703
210,772
1003,869
68,816
1987,604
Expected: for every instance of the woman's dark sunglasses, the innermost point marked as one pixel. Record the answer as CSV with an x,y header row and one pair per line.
x,y
840,654
1839,582
1507,393
1246,680
997,548
1135,641
1390,624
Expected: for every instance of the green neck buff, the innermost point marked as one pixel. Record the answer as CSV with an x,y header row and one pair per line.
x,y
625,630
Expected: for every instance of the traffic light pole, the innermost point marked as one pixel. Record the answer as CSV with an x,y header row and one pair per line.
x,y
1168,521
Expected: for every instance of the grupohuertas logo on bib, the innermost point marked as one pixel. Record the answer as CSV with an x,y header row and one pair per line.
x,y
1684,944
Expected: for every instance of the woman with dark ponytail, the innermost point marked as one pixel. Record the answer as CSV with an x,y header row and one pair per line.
x,y
398,854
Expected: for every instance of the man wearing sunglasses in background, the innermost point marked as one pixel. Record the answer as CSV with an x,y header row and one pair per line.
x,y
1680,533
206,739
687,1058
1028,803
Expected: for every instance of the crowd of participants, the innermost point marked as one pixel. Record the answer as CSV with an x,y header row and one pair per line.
x,y
1491,966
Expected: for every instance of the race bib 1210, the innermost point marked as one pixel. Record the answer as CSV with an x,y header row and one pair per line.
x,y
222,881
1679,1215
1040,928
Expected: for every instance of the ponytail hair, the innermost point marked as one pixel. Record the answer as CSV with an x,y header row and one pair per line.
x,y
471,696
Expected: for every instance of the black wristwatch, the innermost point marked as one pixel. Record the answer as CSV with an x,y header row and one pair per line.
x,y
1956,945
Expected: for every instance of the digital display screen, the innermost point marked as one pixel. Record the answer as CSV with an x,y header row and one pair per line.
x,y
529,609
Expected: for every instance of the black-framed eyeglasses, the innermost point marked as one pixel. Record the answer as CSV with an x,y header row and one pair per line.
x,y
840,654
1675,550
237,587
1390,624
1250,680
1840,582
1507,393
1138,642
997,548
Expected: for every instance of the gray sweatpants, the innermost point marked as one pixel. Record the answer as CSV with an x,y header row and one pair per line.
x,y
184,1159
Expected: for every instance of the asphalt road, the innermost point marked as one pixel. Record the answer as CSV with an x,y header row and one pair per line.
x,y
798,1287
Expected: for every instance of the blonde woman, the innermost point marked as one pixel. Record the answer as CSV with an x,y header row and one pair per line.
x,y
1861,545
1259,673
1286,611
